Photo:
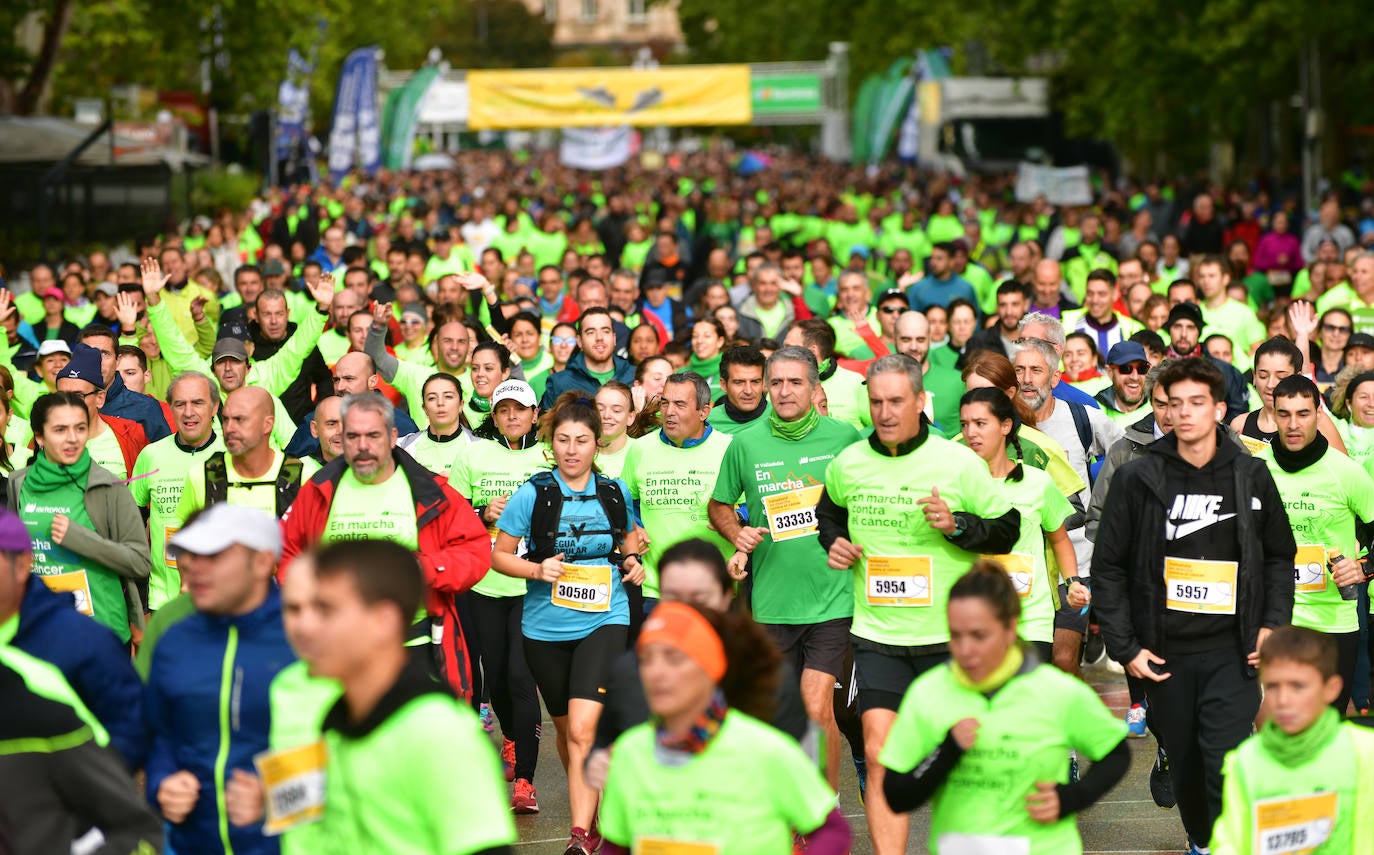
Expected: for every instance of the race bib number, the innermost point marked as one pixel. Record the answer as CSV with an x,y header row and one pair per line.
x,y
167,553
659,846
293,786
1254,445
1201,587
1020,569
983,844
898,580
1294,825
583,588
77,584
1309,568
792,514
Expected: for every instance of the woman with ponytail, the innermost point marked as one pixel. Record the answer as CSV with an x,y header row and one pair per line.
x,y
990,425
687,780
984,737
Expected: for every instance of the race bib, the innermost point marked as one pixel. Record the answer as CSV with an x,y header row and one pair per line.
x,y
1020,569
583,588
167,553
983,844
1201,587
76,583
1294,825
1255,446
792,514
898,580
659,846
1309,568
293,785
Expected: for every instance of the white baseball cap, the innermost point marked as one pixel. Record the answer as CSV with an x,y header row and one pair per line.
x,y
54,345
518,391
222,525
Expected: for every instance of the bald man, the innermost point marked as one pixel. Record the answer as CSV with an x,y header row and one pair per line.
x,y
334,341
1050,294
944,387
354,374
249,471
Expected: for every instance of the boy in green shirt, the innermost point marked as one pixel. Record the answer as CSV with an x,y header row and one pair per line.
x,y
1296,786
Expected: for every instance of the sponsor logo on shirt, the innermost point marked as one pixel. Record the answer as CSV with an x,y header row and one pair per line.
x,y
1193,512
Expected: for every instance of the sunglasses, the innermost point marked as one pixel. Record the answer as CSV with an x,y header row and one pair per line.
x,y
558,339
892,310
1337,329
1141,368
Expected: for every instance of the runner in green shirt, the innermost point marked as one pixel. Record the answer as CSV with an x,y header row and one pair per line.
x,y
439,446
905,511
983,737
777,466
1302,782
399,746
989,425
744,401
672,472
615,403
1330,504
160,473
844,389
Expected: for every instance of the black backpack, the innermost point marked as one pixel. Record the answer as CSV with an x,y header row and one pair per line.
x,y
288,482
548,510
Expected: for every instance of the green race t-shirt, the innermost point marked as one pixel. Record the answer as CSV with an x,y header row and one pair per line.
x,y
672,486
393,790
384,511
846,398
1239,323
260,493
612,463
106,453
159,476
439,457
1323,502
487,471
298,703
1022,738
781,482
713,799
903,580
1043,509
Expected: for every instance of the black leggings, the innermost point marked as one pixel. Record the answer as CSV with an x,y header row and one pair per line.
x,y
1347,655
505,677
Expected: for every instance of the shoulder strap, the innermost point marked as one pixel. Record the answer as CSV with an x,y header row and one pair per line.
x,y
613,505
1081,424
288,484
548,506
216,479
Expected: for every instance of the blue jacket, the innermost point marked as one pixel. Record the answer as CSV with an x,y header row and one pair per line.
x,y
122,402
92,659
575,376
207,693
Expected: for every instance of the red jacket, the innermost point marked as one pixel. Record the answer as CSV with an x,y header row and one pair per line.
x,y
455,551
130,436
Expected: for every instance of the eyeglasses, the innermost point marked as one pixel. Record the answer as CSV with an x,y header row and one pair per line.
x,y
1141,368
84,395
1337,329
559,339
412,322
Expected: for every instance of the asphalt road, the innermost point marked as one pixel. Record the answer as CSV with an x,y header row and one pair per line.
x,y
1126,821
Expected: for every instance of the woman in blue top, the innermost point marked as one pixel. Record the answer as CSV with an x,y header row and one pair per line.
x,y
582,550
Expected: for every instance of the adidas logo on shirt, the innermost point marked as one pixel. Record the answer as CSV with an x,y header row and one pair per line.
x,y
1191,513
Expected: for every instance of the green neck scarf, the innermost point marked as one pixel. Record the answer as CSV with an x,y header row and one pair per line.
x,y
479,404
794,431
1295,750
48,476
994,681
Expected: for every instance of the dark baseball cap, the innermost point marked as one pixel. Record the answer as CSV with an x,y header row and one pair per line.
x,y
1360,339
1185,312
1126,352
229,348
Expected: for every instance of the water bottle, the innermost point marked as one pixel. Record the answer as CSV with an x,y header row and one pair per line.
x,y
1348,592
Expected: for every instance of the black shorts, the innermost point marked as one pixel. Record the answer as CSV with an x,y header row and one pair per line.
x,y
1068,617
884,673
818,646
575,669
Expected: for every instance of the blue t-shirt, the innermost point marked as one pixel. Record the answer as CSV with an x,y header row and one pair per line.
x,y
936,292
542,620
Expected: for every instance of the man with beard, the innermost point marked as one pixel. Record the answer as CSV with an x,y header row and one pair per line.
x,y
1011,308
1124,400
1185,332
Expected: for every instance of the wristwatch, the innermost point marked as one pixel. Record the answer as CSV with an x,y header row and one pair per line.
x,y
960,526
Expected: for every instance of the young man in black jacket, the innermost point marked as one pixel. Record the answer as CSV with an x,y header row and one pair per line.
x,y
1193,569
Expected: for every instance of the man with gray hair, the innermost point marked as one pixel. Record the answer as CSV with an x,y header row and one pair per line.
x,y
1085,434
1049,329
376,491
777,468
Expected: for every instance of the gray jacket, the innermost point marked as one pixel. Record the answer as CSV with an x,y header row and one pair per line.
x,y
118,540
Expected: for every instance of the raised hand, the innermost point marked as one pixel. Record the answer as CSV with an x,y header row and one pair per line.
x,y
126,310
322,291
198,308
154,280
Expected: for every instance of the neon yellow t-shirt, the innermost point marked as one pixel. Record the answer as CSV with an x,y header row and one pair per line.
x,y
384,511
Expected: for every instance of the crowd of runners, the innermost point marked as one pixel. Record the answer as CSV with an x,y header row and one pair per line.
x,y
316,509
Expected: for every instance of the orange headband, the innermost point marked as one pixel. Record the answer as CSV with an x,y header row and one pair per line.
x,y
683,628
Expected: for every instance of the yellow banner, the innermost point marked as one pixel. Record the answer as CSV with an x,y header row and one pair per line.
x,y
595,97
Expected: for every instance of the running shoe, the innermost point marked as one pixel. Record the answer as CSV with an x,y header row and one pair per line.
x,y
508,758
578,844
594,838
1135,722
1194,849
523,801
861,769
488,721
1161,787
